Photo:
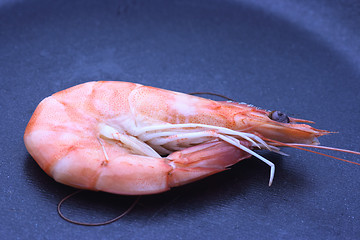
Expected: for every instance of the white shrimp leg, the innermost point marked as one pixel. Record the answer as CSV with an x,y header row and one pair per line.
x,y
225,136
235,142
131,142
159,139
247,136
184,138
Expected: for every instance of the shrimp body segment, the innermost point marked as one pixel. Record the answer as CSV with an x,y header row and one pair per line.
x,y
126,138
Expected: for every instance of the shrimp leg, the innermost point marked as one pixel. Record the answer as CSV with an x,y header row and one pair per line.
x,y
131,142
211,133
189,164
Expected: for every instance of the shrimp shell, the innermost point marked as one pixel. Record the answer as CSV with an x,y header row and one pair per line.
x,y
126,138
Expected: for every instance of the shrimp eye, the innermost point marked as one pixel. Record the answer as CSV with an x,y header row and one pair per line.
x,y
279,117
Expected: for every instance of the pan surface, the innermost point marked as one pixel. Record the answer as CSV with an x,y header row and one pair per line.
x,y
299,57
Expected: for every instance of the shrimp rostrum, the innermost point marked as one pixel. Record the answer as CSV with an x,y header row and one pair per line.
x,y
126,138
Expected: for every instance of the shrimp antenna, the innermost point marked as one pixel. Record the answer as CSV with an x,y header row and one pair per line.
x,y
326,148
213,94
92,224
301,147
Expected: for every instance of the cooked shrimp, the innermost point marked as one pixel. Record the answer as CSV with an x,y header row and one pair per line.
x,y
126,138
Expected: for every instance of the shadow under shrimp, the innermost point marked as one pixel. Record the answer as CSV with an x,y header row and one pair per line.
x,y
98,207
40,180
87,206
219,189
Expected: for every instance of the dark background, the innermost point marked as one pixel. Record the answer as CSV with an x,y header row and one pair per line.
x,y
300,57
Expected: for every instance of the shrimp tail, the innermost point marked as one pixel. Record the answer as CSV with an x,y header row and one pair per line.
x,y
200,161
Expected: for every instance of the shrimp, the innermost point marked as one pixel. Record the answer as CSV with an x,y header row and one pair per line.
x,y
130,139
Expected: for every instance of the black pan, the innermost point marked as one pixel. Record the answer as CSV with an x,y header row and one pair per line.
x,y
300,57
